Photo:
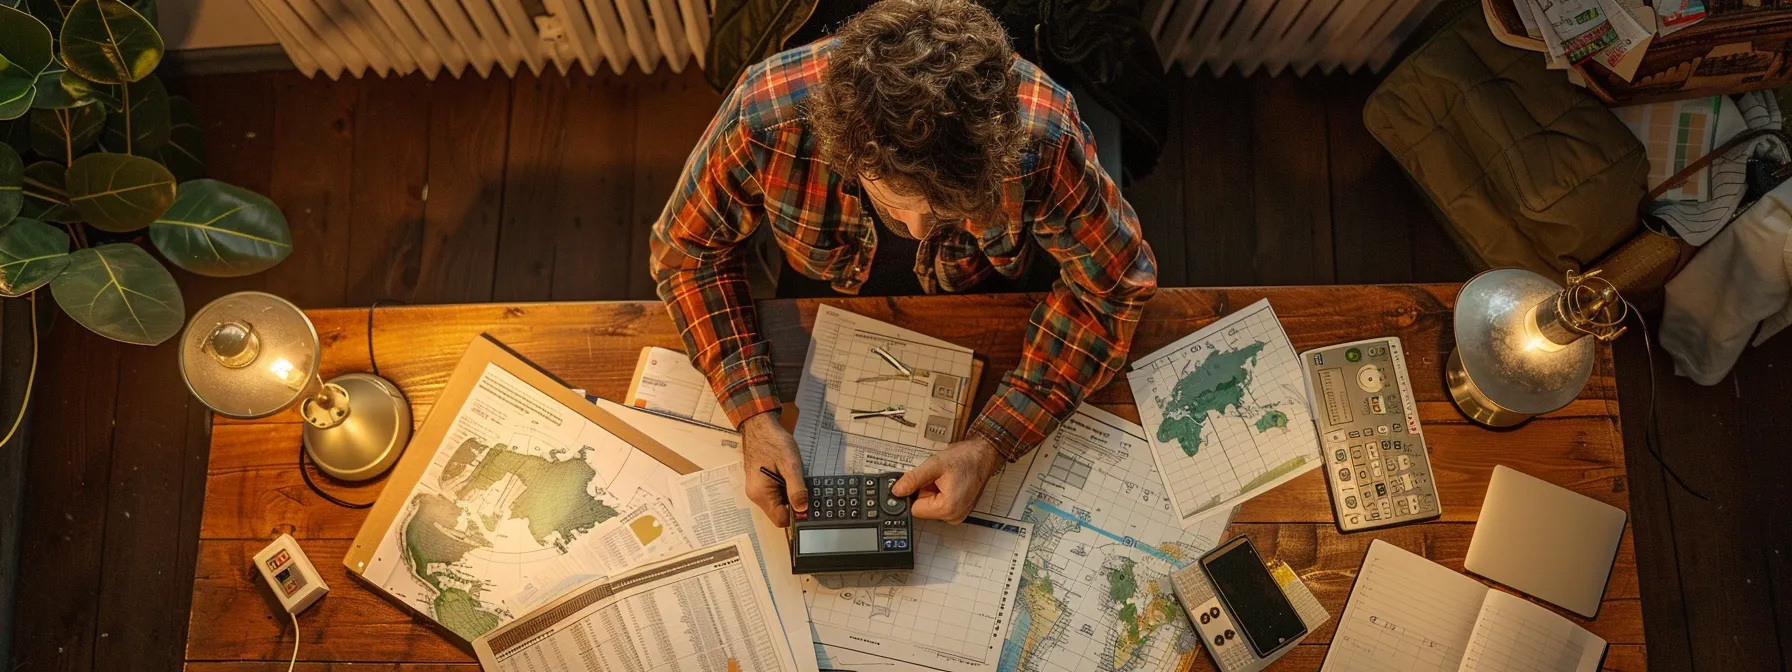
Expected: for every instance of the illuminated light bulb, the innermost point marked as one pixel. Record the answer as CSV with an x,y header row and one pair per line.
x,y
282,369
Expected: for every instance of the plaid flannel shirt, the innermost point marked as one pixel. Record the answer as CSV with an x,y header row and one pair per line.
x,y
757,165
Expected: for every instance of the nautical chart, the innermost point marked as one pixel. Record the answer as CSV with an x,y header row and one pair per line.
x,y
1095,592
950,613
1225,410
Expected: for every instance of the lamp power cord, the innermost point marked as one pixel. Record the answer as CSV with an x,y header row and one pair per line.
x,y
295,642
1652,422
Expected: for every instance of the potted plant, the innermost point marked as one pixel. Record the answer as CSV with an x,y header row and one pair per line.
x,y
99,162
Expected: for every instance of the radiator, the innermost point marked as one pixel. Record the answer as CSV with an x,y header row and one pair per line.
x,y
1278,35
398,37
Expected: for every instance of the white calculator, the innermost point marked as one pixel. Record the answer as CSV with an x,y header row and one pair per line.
x,y
1375,457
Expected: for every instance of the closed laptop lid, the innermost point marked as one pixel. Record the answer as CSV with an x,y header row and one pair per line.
x,y
1545,540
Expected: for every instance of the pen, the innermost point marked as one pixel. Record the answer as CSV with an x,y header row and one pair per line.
x,y
783,487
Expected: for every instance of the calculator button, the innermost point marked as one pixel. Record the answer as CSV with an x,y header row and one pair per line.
x,y
1381,429
854,492
1381,490
1405,462
1219,640
1230,634
1356,453
1341,455
855,514
1356,433
1369,378
1355,519
1344,475
1204,618
1335,437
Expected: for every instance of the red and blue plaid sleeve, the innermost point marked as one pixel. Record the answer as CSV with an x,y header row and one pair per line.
x,y
1080,335
699,266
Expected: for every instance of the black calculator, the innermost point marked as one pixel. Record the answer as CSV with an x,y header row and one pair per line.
x,y
853,524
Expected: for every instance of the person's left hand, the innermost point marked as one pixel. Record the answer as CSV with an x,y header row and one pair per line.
x,y
946,486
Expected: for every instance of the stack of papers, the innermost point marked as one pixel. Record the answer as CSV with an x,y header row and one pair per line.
x,y
1615,34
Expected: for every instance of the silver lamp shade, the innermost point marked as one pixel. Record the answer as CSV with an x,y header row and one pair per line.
x,y
251,355
1513,359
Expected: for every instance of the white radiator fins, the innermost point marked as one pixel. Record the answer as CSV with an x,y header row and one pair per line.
x,y
1277,36
397,37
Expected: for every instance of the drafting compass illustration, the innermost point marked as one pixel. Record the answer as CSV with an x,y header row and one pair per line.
x,y
903,371
897,413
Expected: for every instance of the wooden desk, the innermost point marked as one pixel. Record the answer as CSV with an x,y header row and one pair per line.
x,y
253,491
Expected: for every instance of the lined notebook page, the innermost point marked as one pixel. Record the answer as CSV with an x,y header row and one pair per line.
x,y
1514,635
1406,613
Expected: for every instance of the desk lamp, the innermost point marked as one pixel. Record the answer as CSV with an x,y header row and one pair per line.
x,y
1521,346
251,355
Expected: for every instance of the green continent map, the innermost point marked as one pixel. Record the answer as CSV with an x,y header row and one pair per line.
x,y
554,502
1219,383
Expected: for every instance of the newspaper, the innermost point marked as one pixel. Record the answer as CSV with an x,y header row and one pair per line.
x,y
653,617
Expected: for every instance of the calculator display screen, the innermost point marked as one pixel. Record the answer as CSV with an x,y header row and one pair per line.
x,y
837,540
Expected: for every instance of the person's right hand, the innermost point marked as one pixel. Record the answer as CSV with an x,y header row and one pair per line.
x,y
765,443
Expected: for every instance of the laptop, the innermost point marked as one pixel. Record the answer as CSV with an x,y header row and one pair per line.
x,y
1545,541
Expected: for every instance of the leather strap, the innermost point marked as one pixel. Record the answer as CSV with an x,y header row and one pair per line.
x,y
1692,168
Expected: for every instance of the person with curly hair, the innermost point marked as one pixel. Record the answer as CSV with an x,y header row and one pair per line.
x,y
915,120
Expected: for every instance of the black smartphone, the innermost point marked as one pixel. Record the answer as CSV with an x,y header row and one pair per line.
x,y
1258,606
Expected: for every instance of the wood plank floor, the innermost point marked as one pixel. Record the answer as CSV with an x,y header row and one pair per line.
x,y
543,188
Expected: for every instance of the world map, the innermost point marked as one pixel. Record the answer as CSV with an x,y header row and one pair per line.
x,y
1094,589
1218,384
444,529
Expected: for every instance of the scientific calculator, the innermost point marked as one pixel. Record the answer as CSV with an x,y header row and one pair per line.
x,y
853,524
1374,452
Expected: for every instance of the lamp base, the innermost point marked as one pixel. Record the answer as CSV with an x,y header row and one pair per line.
x,y
368,441
1472,401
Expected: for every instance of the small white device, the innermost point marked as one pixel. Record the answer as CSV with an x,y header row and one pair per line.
x,y
1375,457
290,574
1546,540
1228,636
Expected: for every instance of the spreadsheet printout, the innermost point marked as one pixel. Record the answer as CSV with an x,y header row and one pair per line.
x,y
705,611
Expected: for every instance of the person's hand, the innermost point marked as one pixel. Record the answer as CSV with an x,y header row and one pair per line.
x,y
946,486
765,443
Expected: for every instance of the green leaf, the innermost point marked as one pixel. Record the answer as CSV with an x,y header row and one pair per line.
x,y
58,88
108,42
222,230
119,192
81,89
120,292
32,253
58,134
16,94
12,184
142,125
46,198
25,44
184,155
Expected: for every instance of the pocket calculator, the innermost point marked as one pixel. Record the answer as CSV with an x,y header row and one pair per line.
x,y
1375,457
853,524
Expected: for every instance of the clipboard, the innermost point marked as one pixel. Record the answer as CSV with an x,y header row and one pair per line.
x,y
483,351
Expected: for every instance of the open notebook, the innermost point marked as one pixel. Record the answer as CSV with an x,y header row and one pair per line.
x,y
1409,613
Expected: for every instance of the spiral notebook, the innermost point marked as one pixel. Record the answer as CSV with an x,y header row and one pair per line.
x,y
1410,613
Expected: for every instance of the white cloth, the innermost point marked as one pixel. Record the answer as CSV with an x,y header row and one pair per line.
x,y
1739,284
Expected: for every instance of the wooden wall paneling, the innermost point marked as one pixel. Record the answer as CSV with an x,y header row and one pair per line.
x,y
237,113
1652,521
388,178
1373,209
673,112
16,361
567,190
1292,183
147,564
1721,561
313,157
1219,214
469,126
1764,384
1157,199
65,500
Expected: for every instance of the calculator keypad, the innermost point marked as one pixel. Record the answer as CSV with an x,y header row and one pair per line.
x,y
1376,462
843,498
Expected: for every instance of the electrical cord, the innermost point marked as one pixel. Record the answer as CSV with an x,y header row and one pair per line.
x,y
373,363
295,642
1652,428
29,380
